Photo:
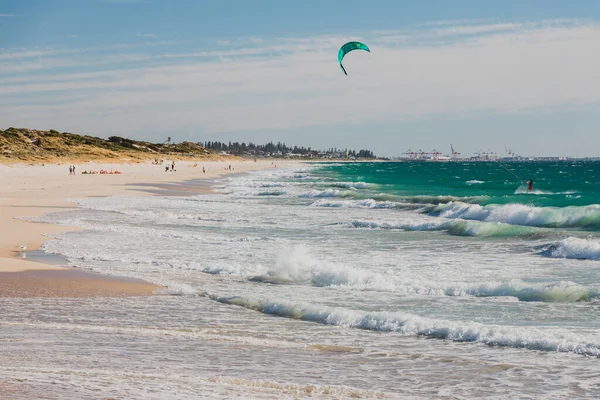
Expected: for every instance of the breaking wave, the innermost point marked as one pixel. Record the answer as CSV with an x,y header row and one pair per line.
x,y
572,247
413,325
458,227
326,193
271,193
521,214
350,185
366,203
297,266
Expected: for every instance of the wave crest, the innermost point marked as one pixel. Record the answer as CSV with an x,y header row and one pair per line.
x,y
366,203
325,193
521,214
572,247
350,185
413,325
457,228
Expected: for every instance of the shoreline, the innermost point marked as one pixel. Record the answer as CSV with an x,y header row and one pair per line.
x,y
30,191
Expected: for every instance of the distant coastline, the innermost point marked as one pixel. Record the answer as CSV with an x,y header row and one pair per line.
x,y
22,145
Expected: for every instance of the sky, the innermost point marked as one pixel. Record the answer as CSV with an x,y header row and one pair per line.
x,y
480,75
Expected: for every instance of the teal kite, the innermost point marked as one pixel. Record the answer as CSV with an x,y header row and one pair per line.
x,y
348,47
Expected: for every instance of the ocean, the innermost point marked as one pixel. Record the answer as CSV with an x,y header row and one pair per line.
x,y
411,280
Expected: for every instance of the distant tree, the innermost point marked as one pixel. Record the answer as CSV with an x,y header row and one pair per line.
x,y
270,148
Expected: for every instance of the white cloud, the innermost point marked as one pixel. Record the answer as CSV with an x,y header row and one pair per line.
x,y
150,35
257,84
476,29
9,55
8,15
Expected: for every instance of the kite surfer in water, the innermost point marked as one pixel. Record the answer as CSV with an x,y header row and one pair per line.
x,y
530,185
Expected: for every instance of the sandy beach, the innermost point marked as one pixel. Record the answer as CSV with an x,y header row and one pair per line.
x,y
306,281
30,190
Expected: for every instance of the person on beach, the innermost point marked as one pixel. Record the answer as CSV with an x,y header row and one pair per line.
x,y
530,185
203,170
70,170
73,170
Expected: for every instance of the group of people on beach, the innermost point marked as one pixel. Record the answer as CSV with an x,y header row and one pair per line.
x,y
102,172
92,172
172,167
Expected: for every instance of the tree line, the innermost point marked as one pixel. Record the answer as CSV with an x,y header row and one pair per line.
x,y
237,148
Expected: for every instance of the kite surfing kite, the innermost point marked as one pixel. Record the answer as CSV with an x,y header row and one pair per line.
x,y
348,47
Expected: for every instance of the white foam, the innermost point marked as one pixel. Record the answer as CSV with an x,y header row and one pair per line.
x,y
296,265
572,247
474,182
366,203
181,289
325,193
524,189
350,185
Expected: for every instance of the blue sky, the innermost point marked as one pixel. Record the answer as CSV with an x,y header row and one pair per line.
x,y
477,74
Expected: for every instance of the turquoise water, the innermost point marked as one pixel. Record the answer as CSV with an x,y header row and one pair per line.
x,y
559,184
562,187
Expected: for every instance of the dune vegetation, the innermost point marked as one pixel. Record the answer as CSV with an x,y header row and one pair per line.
x,y
31,145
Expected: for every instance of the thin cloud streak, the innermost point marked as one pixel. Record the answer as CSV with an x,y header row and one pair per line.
x,y
49,52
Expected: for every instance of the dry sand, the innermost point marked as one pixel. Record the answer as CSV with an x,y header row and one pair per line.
x,y
32,190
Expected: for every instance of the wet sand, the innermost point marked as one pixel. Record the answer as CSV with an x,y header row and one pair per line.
x,y
70,283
